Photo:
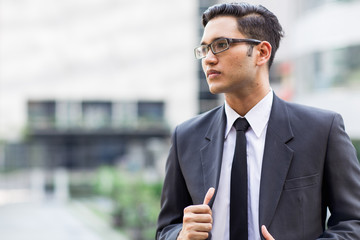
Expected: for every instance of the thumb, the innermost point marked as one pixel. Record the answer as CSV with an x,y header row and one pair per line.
x,y
209,195
266,233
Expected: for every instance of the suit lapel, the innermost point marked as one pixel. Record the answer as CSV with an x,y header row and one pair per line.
x,y
276,161
211,153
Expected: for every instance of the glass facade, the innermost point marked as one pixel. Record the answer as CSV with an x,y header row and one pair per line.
x,y
151,111
96,114
333,68
92,115
41,114
207,100
87,134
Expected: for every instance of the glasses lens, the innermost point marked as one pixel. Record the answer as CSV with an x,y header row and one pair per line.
x,y
219,45
201,51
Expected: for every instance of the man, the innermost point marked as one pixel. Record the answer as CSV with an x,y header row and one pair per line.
x,y
299,159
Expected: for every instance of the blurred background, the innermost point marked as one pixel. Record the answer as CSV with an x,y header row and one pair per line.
x,y
90,91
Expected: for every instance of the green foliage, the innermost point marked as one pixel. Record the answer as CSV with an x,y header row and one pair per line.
x,y
357,147
137,201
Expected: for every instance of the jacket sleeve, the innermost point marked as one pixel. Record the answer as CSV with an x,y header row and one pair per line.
x,y
341,185
175,197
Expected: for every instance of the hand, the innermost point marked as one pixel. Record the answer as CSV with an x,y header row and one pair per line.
x,y
266,233
197,220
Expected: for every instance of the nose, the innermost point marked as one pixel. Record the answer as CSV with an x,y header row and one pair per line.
x,y
210,58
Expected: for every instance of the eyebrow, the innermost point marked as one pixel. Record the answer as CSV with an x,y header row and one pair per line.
x,y
204,43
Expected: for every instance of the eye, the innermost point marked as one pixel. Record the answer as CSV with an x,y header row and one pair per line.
x,y
220,45
204,50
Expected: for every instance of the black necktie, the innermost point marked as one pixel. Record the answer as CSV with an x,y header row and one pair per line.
x,y
239,183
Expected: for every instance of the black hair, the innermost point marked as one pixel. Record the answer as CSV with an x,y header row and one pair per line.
x,y
254,21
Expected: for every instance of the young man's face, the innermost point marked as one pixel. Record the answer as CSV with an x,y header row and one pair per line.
x,y
231,71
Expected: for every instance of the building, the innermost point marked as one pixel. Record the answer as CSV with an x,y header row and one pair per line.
x,y
74,70
99,50
325,58
100,65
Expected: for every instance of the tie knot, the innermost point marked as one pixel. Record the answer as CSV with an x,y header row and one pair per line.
x,y
241,124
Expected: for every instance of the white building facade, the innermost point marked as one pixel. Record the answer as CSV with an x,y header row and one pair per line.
x,y
70,52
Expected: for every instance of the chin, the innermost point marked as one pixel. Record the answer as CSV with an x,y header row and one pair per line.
x,y
215,91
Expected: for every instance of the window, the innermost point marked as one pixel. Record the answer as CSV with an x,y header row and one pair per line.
x,y
96,114
331,69
41,114
151,111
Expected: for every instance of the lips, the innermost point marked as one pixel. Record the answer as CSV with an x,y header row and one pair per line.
x,y
212,73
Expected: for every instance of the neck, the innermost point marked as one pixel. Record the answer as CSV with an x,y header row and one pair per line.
x,y
242,102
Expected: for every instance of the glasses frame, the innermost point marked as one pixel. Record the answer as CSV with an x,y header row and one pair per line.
x,y
228,40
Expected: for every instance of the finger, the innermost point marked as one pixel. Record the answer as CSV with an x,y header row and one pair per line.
x,y
197,209
209,195
198,218
266,233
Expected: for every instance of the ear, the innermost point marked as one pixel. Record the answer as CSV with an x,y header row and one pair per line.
x,y
264,53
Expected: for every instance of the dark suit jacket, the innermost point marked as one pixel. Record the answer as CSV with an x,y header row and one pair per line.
x,y
309,164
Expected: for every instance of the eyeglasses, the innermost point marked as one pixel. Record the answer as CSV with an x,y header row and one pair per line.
x,y
220,45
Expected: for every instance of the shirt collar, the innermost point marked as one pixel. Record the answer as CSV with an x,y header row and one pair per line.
x,y
258,116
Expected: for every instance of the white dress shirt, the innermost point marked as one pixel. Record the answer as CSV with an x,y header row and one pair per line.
x,y
258,118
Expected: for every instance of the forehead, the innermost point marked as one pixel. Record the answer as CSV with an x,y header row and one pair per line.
x,y
222,26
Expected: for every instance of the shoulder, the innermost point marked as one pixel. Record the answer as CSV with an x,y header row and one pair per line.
x,y
202,122
301,119
307,118
309,113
